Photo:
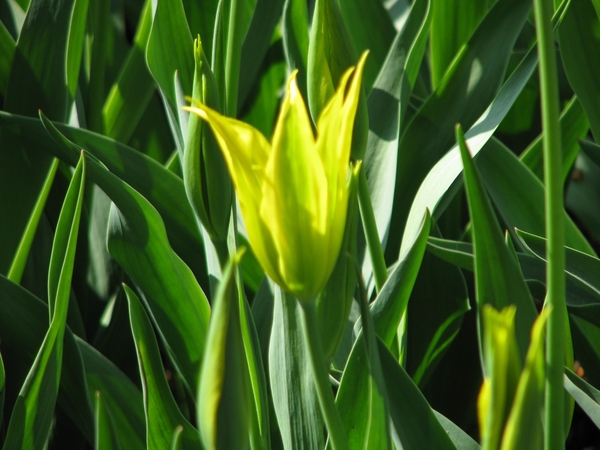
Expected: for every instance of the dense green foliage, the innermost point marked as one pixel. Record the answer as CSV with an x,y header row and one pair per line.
x,y
134,313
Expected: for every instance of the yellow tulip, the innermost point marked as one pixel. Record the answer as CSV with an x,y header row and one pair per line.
x,y
293,192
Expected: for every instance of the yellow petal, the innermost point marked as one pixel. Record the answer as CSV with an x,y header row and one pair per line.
x,y
246,152
334,143
295,197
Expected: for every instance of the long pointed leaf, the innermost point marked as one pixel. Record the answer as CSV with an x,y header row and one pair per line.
x,y
162,414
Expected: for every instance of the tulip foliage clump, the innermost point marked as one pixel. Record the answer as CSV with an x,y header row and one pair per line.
x,y
292,224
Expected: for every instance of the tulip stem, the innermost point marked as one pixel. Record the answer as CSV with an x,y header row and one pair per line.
x,y
554,435
371,234
337,435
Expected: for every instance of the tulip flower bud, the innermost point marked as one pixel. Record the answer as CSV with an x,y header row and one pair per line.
x,y
510,397
205,176
330,53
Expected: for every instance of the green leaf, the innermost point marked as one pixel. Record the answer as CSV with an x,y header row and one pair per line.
x,y
460,439
583,275
2,387
452,24
162,414
370,28
335,300
586,396
207,183
121,396
591,150
291,379
137,240
498,278
23,325
361,403
37,80
417,427
458,253
33,412
20,260
105,437
263,101
162,188
580,53
387,104
201,20
294,30
390,305
7,48
223,395
75,41
370,430
257,42
260,422
442,177
574,125
466,91
518,194
131,93
583,191
438,302
330,54
169,50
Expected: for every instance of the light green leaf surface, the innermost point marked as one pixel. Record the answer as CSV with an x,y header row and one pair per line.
x,y
387,103
583,275
390,305
170,49
586,395
292,386
466,91
162,414
361,403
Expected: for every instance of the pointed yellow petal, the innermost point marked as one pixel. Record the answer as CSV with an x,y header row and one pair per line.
x,y
295,192
334,143
246,152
